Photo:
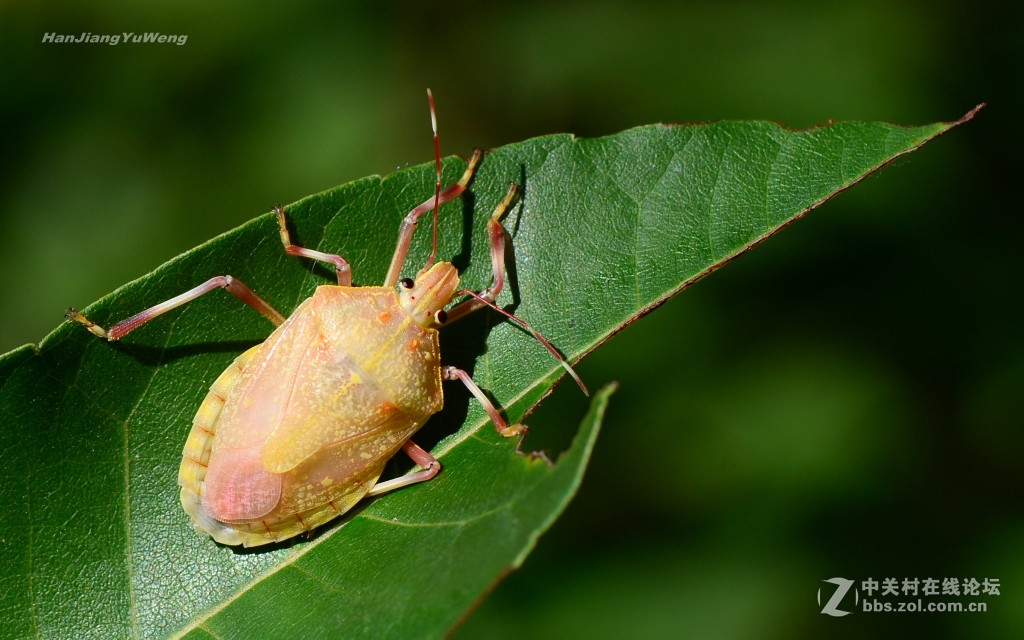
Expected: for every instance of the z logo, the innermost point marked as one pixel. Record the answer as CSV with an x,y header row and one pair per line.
x,y
842,586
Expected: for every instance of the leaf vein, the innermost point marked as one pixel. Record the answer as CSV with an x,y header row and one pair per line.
x,y
714,190
446,523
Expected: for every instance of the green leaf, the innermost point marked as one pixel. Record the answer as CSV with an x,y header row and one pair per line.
x,y
95,542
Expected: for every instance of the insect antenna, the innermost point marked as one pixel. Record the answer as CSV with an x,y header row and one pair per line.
x,y
437,185
540,338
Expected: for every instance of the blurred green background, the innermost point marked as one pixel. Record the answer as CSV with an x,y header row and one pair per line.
x,y
846,400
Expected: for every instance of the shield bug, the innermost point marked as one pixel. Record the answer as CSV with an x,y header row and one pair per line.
x,y
298,429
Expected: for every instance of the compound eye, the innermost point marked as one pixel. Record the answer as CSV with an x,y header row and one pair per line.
x,y
406,283
441,317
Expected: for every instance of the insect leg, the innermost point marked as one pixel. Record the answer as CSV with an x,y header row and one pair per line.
x,y
547,345
496,236
233,286
503,428
409,223
427,462
341,267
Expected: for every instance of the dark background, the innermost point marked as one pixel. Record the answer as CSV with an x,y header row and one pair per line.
x,y
844,401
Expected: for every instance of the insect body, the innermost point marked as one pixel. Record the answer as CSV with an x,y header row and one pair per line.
x,y
298,429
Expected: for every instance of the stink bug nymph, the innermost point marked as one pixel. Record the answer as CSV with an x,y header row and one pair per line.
x,y
297,429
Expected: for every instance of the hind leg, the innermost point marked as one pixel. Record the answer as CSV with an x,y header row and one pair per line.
x,y
427,462
232,285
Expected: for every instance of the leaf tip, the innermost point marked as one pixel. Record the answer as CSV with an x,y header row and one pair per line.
x,y
970,114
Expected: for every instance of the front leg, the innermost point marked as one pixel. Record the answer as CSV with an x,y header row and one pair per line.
x,y
496,238
409,222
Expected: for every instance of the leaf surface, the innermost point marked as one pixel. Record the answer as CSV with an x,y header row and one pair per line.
x,y
95,542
